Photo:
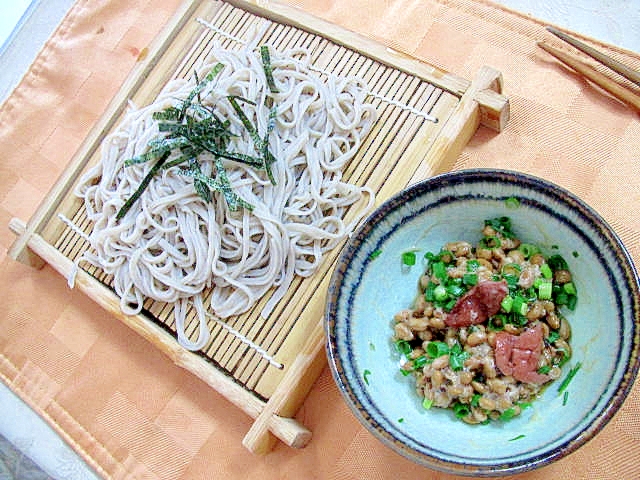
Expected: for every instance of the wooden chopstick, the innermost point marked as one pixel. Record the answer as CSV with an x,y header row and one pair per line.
x,y
614,88
613,64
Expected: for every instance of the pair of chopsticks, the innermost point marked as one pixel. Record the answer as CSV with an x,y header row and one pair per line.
x,y
614,88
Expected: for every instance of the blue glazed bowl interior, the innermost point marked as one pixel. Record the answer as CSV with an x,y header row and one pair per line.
x,y
367,290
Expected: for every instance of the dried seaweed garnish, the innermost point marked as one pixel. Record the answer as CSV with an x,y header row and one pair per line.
x,y
268,69
260,144
192,128
143,185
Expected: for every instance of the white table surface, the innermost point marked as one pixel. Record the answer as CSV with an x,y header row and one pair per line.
x,y
24,27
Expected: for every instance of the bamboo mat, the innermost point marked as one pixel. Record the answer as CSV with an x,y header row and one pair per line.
x,y
123,405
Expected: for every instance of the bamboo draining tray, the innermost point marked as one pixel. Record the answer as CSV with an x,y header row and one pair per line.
x,y
266,367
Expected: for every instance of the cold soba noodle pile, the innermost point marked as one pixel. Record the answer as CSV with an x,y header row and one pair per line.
x,y
229,183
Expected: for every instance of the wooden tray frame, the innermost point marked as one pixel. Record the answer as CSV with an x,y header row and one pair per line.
x,y
477,102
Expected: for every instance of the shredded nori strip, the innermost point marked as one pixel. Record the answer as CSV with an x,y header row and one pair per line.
x,y
192,128
268,69
143,185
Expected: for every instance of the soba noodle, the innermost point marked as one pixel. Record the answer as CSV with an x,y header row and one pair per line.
x,y
174,247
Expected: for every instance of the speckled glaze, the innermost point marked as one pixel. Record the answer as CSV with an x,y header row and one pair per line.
x,y
366,291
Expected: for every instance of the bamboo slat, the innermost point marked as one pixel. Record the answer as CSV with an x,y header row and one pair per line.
x,y
267,366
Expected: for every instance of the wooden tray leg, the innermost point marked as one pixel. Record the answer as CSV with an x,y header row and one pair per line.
x,y
306,365
479,105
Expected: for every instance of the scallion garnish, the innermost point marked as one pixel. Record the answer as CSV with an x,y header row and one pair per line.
x,y
508,414
419,362
528,250
403,347
557,262
544,290
545,270
489,243
507,303
470,279
457,356
553,336
572,373
437,349
565,398
501,225
461,410
409,258
427,403
375,254
365,376
519,437
512,202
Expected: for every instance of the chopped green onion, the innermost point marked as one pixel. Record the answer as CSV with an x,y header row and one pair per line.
x,y
409,258
553,336
375,254
429,292
403,347
400,420
437,349
457,356
507,303
419,362
475,400
565,397
569,377
570,288
561,298
502,225
489,243
496,323
512,202
439,270
365,376
519,437
528,250
440,293
520,305
572,301
575,254
508,414
470,279
557,262
512,280
545,270
544,369
427,403
565,356
447,307
455,290
473,265
446,256
461,410
544,291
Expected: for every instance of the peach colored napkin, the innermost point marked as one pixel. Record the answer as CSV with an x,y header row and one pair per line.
x,y
125,407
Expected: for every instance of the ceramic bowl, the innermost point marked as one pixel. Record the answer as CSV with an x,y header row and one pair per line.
x,y
370,284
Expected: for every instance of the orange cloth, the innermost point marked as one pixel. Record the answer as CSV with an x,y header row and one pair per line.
x,y
123,405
